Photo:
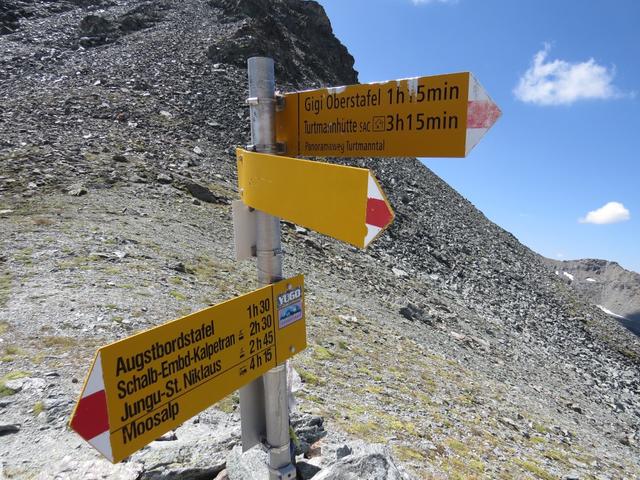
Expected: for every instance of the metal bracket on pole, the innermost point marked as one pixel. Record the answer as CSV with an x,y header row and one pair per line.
x,y
253,101
264,148
280,102
280,148
244,230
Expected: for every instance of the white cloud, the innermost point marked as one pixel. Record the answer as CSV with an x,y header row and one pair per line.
x,y
559,82
612,212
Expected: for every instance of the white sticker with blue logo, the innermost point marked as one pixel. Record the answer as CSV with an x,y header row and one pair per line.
x,y
290,307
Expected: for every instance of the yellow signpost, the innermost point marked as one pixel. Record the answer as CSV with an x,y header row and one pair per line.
x,y
437,116
147,384
345,203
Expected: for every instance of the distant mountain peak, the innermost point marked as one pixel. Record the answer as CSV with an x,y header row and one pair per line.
x,y
604,283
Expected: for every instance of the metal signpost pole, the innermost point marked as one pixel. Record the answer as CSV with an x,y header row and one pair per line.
x,y
269,256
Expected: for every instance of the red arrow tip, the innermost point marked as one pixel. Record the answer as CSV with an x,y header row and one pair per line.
x,y
482,114
378,213
91,417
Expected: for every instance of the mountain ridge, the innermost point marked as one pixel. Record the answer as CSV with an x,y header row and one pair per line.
x,y
605,283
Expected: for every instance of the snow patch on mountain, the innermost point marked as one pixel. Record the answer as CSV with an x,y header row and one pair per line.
x,y
609,312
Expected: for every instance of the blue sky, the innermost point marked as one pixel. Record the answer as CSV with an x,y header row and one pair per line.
x,y
566,75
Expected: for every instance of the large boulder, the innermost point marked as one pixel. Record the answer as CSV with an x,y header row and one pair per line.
x,y
373,462
275,28
250,465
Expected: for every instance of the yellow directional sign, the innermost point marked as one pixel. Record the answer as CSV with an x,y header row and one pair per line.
x,y
345,203
438,116
147,384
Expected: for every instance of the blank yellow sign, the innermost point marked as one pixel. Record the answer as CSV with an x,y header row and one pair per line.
x,y
345,203
147,384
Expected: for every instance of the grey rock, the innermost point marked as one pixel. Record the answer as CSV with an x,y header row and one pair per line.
x,y
168,437
95,25
198,451
135,178
77,190
7,428
16,384
96,30
306,470
164,178
70,468
202,193
313,244
414,313
10,16
575,407
399,272
373,463
180,268
142,16
628,440
411,312
507,421
250,465
222,475
343,451
572,476
309,429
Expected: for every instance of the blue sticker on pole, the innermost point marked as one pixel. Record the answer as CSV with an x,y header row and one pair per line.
x,y
290,307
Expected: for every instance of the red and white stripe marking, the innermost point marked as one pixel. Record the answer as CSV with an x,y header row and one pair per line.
x,y
91,418
482,113
379,214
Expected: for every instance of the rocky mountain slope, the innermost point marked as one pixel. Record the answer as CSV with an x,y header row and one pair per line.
x,y
606,284
447,342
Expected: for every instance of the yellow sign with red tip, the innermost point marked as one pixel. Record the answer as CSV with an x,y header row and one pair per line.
x,y
345,203
143,386
436,116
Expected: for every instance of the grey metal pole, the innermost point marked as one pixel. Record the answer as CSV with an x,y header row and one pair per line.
x,y
269,254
